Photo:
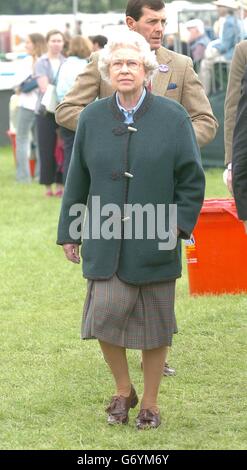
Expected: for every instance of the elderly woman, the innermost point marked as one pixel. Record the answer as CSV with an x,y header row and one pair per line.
x,y
132,150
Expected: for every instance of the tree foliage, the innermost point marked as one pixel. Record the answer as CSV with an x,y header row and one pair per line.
x,y
29,7
16,7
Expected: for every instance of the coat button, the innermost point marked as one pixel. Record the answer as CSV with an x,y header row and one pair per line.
x,y
128,175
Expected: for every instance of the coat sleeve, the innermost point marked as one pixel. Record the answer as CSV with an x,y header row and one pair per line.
x,y
85,90
238,64
189,180
197,105
239,156
75,193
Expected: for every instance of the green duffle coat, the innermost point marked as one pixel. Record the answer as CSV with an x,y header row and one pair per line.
x,y
163,159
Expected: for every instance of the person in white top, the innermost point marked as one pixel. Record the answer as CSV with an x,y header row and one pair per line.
x,y
27,89
47,69
80,48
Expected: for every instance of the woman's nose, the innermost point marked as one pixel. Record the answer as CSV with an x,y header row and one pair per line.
x,y
124,67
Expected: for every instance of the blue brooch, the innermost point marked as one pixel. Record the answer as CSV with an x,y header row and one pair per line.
x,y
163,68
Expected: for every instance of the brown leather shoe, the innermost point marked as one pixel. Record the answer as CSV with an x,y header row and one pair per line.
x,y
119,407
147,420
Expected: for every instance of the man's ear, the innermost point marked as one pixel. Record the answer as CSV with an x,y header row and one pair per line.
x,y
131,23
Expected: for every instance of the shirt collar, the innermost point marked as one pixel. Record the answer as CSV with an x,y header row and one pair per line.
x,y
133,110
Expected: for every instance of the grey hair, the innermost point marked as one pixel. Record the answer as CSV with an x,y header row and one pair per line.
x,y
128,39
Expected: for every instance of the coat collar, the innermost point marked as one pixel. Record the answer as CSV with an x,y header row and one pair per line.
x,y
163,55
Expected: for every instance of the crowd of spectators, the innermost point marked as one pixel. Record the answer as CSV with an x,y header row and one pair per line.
x,y
56,59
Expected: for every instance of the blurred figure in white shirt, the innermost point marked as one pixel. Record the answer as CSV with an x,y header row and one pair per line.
x,y
221,49
243,16
80,48
27,89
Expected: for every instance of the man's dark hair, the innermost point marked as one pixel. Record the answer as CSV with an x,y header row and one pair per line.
x,y
100,40
134,7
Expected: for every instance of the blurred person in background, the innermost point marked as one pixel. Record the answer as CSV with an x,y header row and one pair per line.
x,y
27,89
79,50
67,37
197,40
243,16
47,70
170,41
99,42
78,27
221,49
237,68
239,155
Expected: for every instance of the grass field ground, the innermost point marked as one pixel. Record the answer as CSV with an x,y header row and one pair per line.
x,y
54,387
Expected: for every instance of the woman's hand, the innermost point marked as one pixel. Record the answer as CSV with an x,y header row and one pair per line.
x,y
71,251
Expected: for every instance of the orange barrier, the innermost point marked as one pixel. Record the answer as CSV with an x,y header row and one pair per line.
x,y
217,252
12,138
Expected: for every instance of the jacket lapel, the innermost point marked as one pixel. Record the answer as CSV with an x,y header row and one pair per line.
x,y
161,79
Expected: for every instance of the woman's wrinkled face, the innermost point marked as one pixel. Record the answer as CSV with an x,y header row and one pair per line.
x,y
127,72
55,43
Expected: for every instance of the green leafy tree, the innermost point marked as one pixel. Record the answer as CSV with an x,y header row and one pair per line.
x,y
117,5
16,7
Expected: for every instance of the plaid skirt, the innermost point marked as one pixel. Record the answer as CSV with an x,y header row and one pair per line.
x,y
134,317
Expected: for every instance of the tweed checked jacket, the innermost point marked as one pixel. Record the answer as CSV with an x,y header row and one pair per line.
x,y
238,64
163,158
177,81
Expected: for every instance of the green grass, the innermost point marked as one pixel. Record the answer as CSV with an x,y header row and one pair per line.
x,y
54,387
